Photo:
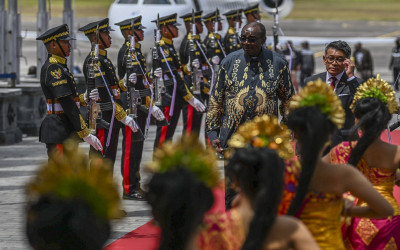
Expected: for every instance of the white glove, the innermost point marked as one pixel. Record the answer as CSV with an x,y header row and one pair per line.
x,y
158,72
93,95
157,113
93,141
215,60
128,121
196,63
197,105
133,78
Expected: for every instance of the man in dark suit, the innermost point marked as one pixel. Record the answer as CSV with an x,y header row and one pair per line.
x,y
340,75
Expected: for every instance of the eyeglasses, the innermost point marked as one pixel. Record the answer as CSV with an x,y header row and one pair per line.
x,y
331,59
250,39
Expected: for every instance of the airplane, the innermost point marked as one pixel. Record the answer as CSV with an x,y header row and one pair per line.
x,y
123,9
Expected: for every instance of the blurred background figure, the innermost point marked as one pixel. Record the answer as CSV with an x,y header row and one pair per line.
x,y
307,63
31,71
293,57
363,61
69,204
395,63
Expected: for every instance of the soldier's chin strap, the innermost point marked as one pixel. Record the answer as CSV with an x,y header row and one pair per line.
x,y
102,41
136,35
169,30
59,45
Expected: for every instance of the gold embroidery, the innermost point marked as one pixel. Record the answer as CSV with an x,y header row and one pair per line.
x,y
56,73
391,245
366,230
59,82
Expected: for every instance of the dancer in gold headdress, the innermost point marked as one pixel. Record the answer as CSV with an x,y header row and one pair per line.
x,y
314,115
257,172
373,106
70,206
180,190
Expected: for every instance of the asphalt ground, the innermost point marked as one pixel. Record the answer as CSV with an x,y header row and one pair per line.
x,y
19,162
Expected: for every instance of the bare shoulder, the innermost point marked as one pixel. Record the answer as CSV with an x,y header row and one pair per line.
x,y
290,233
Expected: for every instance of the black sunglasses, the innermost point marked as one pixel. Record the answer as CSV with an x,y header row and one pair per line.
x,y
250,39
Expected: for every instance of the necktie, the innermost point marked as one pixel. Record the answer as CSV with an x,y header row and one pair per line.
x,y
332,81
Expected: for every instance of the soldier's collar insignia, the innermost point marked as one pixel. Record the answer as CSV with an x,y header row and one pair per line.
x,y
57,59
218,36
167,41
190,36
56,73
103,52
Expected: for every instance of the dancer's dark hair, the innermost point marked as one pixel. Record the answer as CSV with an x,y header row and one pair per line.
x,y
179,201
65,224
373,117
259,173
312,129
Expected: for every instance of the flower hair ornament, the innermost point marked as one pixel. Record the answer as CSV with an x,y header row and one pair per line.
x,y
319,94
187,153
376,87
68,177
264,131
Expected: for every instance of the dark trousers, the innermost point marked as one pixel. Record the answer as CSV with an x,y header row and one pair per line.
x,y
54,148
132,156
303,75
166,133
191,120
110,152
396,72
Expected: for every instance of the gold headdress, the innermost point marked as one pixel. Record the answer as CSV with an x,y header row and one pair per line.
x,y
189,154
264,131
68,177
320,95
376,87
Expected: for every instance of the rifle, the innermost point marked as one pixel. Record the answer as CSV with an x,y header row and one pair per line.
x,y
216,32
159,87
94,110
235,35
276,27
196,74
133,94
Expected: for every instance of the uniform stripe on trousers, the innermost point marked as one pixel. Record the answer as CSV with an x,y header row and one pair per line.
x,y
127,154
164,129
189,120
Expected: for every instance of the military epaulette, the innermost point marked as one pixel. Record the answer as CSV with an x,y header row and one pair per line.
x,y
137,45
162,43
103,52
231,31
56,59
167,41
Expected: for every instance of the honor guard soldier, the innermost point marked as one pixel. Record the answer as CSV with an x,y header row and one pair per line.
x,y
132,148
63,118
106,81
213,43
252,13
195,65
171,73
231,39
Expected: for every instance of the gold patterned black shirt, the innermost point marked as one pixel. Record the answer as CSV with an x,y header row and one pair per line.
x,y
245,88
